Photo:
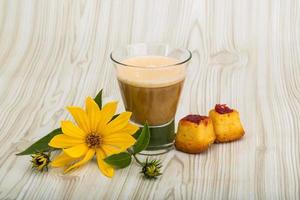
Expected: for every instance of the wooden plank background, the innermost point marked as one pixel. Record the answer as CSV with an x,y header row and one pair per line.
x,y
245,53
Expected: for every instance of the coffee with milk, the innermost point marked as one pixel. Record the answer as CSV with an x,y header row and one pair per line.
x,y
151,87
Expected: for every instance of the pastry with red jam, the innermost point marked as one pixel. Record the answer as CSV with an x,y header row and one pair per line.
x,y
195,134
227,123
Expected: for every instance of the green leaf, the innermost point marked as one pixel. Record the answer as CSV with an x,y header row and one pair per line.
x,y
98,99
42,144
120,160
137,133
142,140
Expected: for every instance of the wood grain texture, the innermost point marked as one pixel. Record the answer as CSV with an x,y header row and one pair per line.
x,y
245,54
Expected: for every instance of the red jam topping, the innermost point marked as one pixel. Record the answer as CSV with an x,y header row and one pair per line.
x,y
194,118
222,109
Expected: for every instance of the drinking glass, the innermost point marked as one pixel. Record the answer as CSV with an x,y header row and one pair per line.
x,y
151,78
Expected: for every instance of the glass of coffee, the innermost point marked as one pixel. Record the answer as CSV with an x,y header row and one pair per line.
x,y
151,78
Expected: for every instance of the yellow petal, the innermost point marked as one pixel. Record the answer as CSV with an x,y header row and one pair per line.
x,y
117,124
61,160
76,151
70,129
106,114
110,150
64,141
92,110
80,117
105,168
88,156
120,140
130,129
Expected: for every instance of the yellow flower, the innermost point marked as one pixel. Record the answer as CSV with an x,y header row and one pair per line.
x,y
95,134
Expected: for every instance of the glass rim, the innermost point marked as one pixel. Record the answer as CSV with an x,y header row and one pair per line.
x,y
189,56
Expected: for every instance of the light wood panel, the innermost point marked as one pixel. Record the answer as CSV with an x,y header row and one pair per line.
x,y
245,53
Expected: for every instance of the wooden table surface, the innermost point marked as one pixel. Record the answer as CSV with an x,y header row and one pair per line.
x,y
245,53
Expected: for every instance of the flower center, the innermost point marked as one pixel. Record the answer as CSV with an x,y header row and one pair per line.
x,y
93,140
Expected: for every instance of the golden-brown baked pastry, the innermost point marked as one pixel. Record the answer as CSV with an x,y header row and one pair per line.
x,y
195,134
227,124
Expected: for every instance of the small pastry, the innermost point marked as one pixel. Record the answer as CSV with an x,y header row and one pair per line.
x,y
195,134
226,122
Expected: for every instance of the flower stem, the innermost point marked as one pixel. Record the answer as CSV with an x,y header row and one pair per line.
x,y
137,160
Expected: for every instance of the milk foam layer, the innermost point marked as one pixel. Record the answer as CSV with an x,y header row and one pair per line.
x,y
150,72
